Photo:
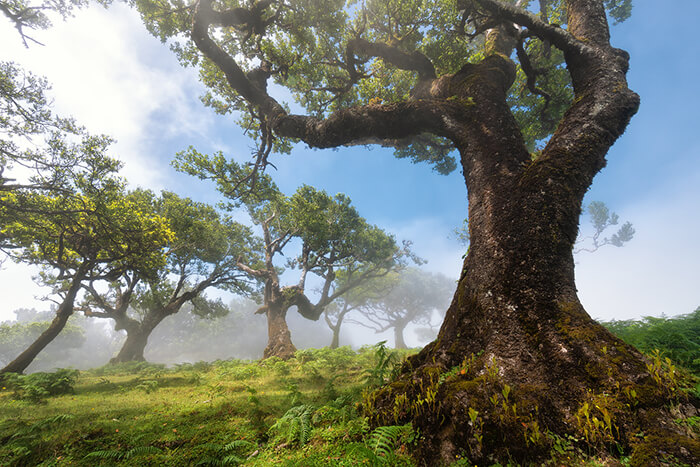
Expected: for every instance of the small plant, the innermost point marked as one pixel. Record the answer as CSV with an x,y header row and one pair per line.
x,y
148,386
385,361
233,453
26,440
36,387
664,372
294,395
380,447
116,455
295,425
256,413
477,426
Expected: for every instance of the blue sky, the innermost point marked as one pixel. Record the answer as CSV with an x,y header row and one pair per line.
x,y
116,79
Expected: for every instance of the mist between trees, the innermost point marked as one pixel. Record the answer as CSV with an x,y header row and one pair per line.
x,y
184,337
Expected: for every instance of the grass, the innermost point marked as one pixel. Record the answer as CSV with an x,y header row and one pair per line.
x,y
224,413
301,412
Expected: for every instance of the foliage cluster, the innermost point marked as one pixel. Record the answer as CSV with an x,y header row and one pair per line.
x,y
677,338
36,387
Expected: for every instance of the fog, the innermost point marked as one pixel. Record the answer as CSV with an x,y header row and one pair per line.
x,y
181,338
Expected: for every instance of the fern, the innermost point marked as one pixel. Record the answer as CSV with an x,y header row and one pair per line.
x,y
386,362
113,454
41,425
232,458
110,454
382,441
141,451
238,444
295,425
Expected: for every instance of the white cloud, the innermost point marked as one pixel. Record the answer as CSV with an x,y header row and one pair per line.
x,y
114,78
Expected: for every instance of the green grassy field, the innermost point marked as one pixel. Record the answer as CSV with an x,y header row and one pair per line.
x,y
223,413
299,412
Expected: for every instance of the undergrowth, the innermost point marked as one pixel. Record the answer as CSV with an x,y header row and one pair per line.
x,y
233,412
300,412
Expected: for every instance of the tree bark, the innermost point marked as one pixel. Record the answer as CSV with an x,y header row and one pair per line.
x,y
279,339
399,343
335,341
137,334
65,310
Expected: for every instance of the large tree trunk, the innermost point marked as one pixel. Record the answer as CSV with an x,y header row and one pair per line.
x,y
335,342
518,362
137,334
534,360
279,339
399,343
65,310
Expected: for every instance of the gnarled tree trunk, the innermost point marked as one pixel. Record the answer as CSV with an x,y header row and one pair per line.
x,y
399,342
518,364
137,334
279,339
530,362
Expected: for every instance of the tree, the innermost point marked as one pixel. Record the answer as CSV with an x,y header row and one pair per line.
x,y
601,219
203,254
333,238
16,336
531,133
410,296
25,14
336,312
90,233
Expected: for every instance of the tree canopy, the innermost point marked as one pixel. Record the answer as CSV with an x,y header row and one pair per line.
x,y
203,253
321,235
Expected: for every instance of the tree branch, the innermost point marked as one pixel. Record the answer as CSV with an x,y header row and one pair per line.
x,y
415,61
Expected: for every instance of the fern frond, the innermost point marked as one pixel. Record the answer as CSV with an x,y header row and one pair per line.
x,y
296,424
141,451
383,439
232,460
106,454
239,444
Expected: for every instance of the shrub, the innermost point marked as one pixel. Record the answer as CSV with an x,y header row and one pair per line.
x,y
38,386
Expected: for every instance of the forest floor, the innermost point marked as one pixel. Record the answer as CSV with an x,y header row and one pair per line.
x,y
302,412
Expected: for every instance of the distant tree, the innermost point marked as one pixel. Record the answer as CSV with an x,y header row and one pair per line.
x,y
330,234
413,297
91,232
336,312
601,220
15,336
204,253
